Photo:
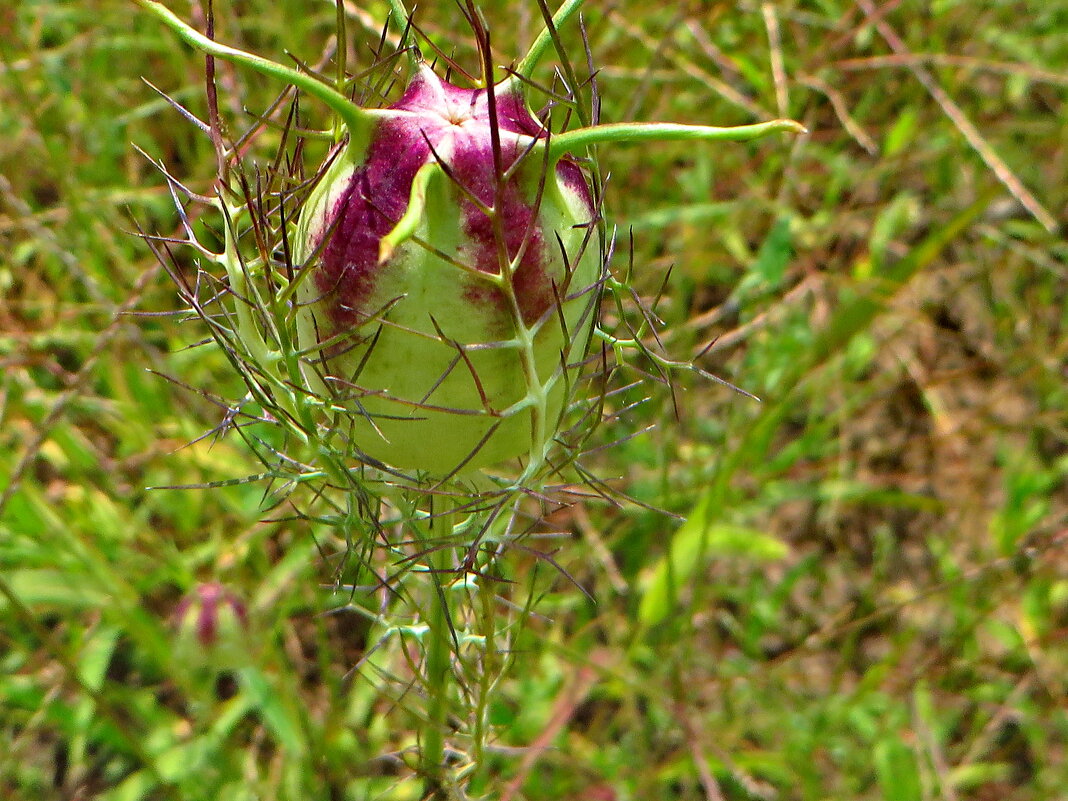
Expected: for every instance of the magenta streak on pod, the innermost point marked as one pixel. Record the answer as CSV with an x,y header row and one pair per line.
x,y
431,118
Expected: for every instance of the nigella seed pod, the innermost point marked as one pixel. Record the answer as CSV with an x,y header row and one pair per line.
x,y
453,275
448,267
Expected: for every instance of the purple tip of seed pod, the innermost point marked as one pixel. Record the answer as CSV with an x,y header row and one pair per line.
x,y
435,119
211,600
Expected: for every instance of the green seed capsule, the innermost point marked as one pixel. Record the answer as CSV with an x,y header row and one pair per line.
x,y
453,274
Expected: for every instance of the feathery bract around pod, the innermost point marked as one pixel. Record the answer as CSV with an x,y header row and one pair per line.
x,y
449,262
453,274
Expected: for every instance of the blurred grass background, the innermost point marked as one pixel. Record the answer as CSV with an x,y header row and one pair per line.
x,y
869,596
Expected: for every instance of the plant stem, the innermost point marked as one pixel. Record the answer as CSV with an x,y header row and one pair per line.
x,y
487,677
354,117
544,41
438,652
662,132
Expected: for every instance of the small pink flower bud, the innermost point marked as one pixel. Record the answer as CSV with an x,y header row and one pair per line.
x,y
212,626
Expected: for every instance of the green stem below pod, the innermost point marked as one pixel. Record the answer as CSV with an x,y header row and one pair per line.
x,y
438,653
354,117
568,142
